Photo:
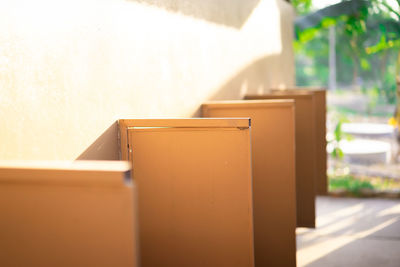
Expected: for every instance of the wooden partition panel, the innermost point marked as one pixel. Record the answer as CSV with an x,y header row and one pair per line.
x,y
320,134
305,154
194,190
274,183
66,214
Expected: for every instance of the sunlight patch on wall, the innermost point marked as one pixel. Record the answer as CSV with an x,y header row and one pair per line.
x,y
69,69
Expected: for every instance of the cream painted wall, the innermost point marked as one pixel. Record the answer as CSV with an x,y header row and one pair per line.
x,y
70,69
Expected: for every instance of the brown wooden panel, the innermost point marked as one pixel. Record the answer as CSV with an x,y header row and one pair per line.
x,y
305,153
66,214
274,183
320,134
187,123
124,124
194,193
320,107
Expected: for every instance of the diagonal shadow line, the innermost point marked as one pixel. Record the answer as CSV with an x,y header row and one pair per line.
x,y
231,13
105,147
361,251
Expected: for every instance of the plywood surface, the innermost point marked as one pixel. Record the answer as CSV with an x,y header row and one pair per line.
x,y
320,132
64,173
125,124
305,153
194,195
274,183
82,222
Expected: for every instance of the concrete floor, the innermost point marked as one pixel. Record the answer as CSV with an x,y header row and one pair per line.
x,y
352,232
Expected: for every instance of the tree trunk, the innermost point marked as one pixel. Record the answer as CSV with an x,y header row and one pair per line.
x,y
355,73
356,63
332,58
397,111
396,114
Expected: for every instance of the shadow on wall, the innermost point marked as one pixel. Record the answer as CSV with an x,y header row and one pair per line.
x,y
270,71
257,77
231,13
105,147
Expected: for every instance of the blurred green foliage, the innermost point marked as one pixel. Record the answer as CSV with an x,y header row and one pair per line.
x,y
367,46
302,6
349,183
338,135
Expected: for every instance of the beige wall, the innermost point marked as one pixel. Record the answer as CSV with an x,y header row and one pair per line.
x,y
70,69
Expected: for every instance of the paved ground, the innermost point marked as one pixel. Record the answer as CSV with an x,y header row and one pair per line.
x,y
390,170
352,232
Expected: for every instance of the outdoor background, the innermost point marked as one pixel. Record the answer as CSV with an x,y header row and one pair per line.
x,y
352,48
